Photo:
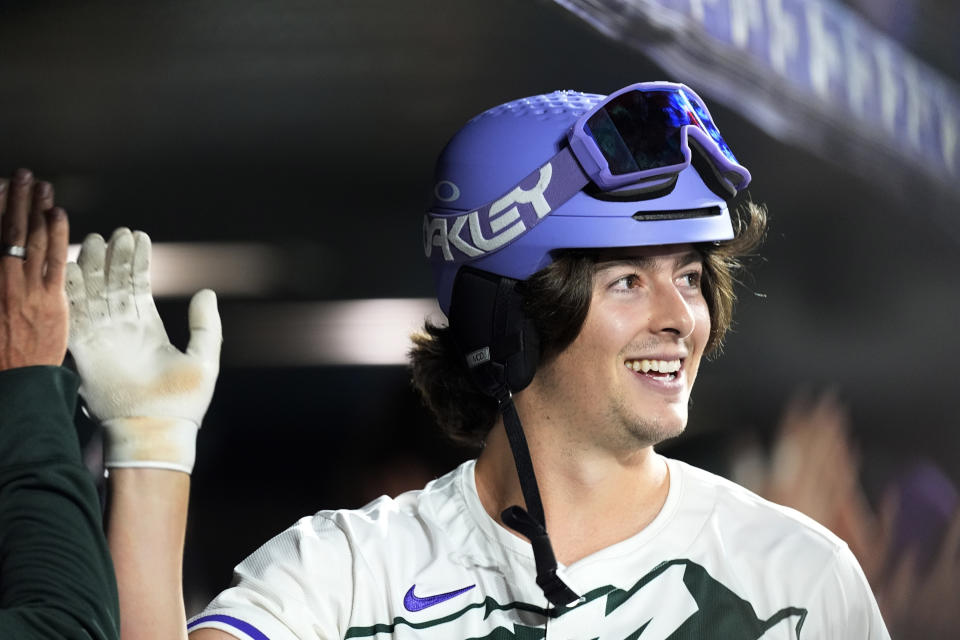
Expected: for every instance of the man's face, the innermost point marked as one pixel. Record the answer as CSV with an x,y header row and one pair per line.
x,y
625,380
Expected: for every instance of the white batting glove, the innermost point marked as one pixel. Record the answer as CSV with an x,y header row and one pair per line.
x,y
149,396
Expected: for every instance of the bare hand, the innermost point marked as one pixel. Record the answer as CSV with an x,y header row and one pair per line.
x,y
815,469
33,305
923,604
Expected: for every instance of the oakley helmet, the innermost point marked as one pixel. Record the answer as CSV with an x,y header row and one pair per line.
x,y
568,170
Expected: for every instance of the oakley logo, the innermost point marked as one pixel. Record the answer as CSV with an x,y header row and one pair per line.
x,y
490,227
446,191
413,602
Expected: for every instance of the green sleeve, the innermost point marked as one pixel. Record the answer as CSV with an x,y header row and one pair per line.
x,y
56,577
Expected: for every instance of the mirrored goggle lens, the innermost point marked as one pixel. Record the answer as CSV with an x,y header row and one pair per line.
x,y
701,110
640,130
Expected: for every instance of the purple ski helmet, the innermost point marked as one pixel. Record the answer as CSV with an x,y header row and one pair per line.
x,y
494,211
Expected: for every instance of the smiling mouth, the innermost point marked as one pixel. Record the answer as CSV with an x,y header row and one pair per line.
x,y
656,369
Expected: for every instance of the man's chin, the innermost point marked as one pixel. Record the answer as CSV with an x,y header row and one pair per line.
x,y
672,430
661,428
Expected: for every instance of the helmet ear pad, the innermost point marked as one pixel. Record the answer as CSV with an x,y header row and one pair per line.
x,y
499,343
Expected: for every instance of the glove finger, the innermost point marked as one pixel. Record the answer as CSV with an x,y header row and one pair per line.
x,y
142,292
77,298
91,262
119,269
206,333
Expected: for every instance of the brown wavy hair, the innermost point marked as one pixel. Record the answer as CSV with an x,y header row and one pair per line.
x,y
557,298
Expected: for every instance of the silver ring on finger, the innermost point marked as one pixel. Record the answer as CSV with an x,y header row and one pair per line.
x,y
14,250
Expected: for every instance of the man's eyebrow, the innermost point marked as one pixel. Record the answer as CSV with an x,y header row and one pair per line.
x,y
644,262
687,258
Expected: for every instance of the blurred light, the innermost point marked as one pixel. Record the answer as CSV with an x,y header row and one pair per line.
x,y
350,332
264,333
179,269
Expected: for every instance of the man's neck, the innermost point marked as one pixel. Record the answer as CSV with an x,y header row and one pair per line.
x,y
592,498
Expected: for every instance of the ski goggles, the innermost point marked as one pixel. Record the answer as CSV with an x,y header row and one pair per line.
x,y
644,131
639,137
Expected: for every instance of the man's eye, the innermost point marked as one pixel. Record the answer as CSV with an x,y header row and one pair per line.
x,y
627,282
691,279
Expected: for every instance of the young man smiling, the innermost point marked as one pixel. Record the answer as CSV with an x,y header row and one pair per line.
x,y
584,253
598,406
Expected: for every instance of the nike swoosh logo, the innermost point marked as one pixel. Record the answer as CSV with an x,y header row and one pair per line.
x,y
413,602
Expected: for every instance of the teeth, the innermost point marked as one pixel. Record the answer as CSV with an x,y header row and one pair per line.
x,y
660,366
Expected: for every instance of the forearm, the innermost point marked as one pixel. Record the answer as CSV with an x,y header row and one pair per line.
x,y
146,530
56,580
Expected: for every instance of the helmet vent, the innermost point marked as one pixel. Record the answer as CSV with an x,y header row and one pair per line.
x,y
677,214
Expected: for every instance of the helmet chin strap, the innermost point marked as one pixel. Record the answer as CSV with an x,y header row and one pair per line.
x,y
531,522
501,348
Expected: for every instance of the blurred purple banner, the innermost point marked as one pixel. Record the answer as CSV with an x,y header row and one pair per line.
x,y
813,73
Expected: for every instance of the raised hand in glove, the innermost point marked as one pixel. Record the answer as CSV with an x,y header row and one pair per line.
x,y
149,395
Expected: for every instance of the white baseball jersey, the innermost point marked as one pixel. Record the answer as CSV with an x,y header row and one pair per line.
x,y
717,562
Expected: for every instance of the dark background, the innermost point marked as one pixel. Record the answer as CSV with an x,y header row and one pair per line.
x,y
313,127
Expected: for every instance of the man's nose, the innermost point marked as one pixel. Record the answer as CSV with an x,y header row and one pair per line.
x,y
670,311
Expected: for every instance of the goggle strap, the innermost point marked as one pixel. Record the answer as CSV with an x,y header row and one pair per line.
x,y
467,236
